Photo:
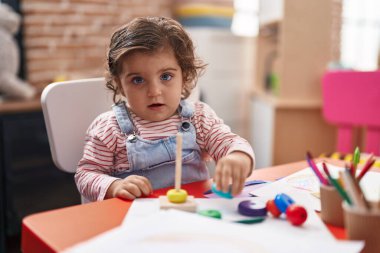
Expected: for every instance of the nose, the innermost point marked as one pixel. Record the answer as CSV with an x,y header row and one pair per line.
x,y
154,89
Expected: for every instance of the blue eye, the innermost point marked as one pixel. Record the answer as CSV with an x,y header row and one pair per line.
x,y
138,80
166,77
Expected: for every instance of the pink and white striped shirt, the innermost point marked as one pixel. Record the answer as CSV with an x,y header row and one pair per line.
x,y
105,145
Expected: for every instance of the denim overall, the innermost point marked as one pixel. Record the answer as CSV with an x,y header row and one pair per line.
x,y
155,159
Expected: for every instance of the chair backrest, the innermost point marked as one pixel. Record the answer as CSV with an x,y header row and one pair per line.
x,y
352,99
69,108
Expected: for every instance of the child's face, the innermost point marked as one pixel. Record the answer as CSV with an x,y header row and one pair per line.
x,y
152,84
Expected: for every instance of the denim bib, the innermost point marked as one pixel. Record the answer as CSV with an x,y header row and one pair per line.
x,y
155,159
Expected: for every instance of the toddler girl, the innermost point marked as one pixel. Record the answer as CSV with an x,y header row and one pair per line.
x,y
130,150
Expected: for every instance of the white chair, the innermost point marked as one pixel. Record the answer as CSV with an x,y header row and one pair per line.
x,y
69,108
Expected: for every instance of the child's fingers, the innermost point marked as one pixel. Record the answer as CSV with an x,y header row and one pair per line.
x,y
234,177
235,181
235,187
133,189
143,184
124,194
241,183
148,185
242,177
217,177
226,178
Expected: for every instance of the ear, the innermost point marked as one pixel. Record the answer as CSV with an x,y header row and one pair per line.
x,y
183,87
118,85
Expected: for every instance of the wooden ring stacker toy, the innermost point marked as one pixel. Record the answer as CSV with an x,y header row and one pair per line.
x,y
282,203
178,198
211,213
256,210
252,208
222,194
273,209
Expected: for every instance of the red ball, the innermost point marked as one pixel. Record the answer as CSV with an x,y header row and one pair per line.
x,y
272,208
296,214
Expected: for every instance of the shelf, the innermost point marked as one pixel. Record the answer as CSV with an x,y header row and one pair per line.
x,y
294,52
15,106
286,103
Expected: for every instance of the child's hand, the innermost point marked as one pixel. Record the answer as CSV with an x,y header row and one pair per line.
x,y
233,168
130,188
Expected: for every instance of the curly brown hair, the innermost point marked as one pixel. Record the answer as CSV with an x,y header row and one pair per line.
x,y
149,34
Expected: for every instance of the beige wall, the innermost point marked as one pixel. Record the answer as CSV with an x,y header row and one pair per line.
x,y
69,38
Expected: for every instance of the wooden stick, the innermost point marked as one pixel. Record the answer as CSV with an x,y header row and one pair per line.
x,y
178,162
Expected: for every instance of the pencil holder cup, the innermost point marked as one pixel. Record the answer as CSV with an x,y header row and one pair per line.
x,y
331,206
363,225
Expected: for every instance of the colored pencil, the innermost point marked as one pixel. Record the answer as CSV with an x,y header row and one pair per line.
x,y
325,169
337,186
314,167
355,161
366,168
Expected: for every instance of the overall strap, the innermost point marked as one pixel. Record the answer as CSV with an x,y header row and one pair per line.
x,y
122,117
186,109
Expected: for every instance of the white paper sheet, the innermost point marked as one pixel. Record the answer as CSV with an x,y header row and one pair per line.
x,y
174,231
313,226
303,186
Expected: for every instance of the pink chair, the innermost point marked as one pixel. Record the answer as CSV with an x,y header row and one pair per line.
x,y
352,99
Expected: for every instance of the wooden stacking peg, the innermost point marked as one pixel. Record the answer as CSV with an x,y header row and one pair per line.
x,y
178,198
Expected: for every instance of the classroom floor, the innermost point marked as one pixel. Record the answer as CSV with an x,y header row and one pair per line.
x,y
13,244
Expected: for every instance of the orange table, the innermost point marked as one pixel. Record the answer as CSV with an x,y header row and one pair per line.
x,y
56,230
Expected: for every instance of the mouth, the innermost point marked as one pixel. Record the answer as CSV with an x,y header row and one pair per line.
x,y
155,106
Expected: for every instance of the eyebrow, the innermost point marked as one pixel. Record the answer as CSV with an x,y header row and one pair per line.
x,y
132,74
166,69
161,70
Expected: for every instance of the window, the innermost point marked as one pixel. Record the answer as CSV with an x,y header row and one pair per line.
x,y
360,36
246,20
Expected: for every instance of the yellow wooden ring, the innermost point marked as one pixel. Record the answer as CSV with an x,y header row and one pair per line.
x,y
177,196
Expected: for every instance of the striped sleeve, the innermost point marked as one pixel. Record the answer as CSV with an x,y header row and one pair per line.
x,y
104,153
215,137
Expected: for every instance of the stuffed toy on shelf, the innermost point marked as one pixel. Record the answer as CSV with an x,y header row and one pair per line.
x,y
10,85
